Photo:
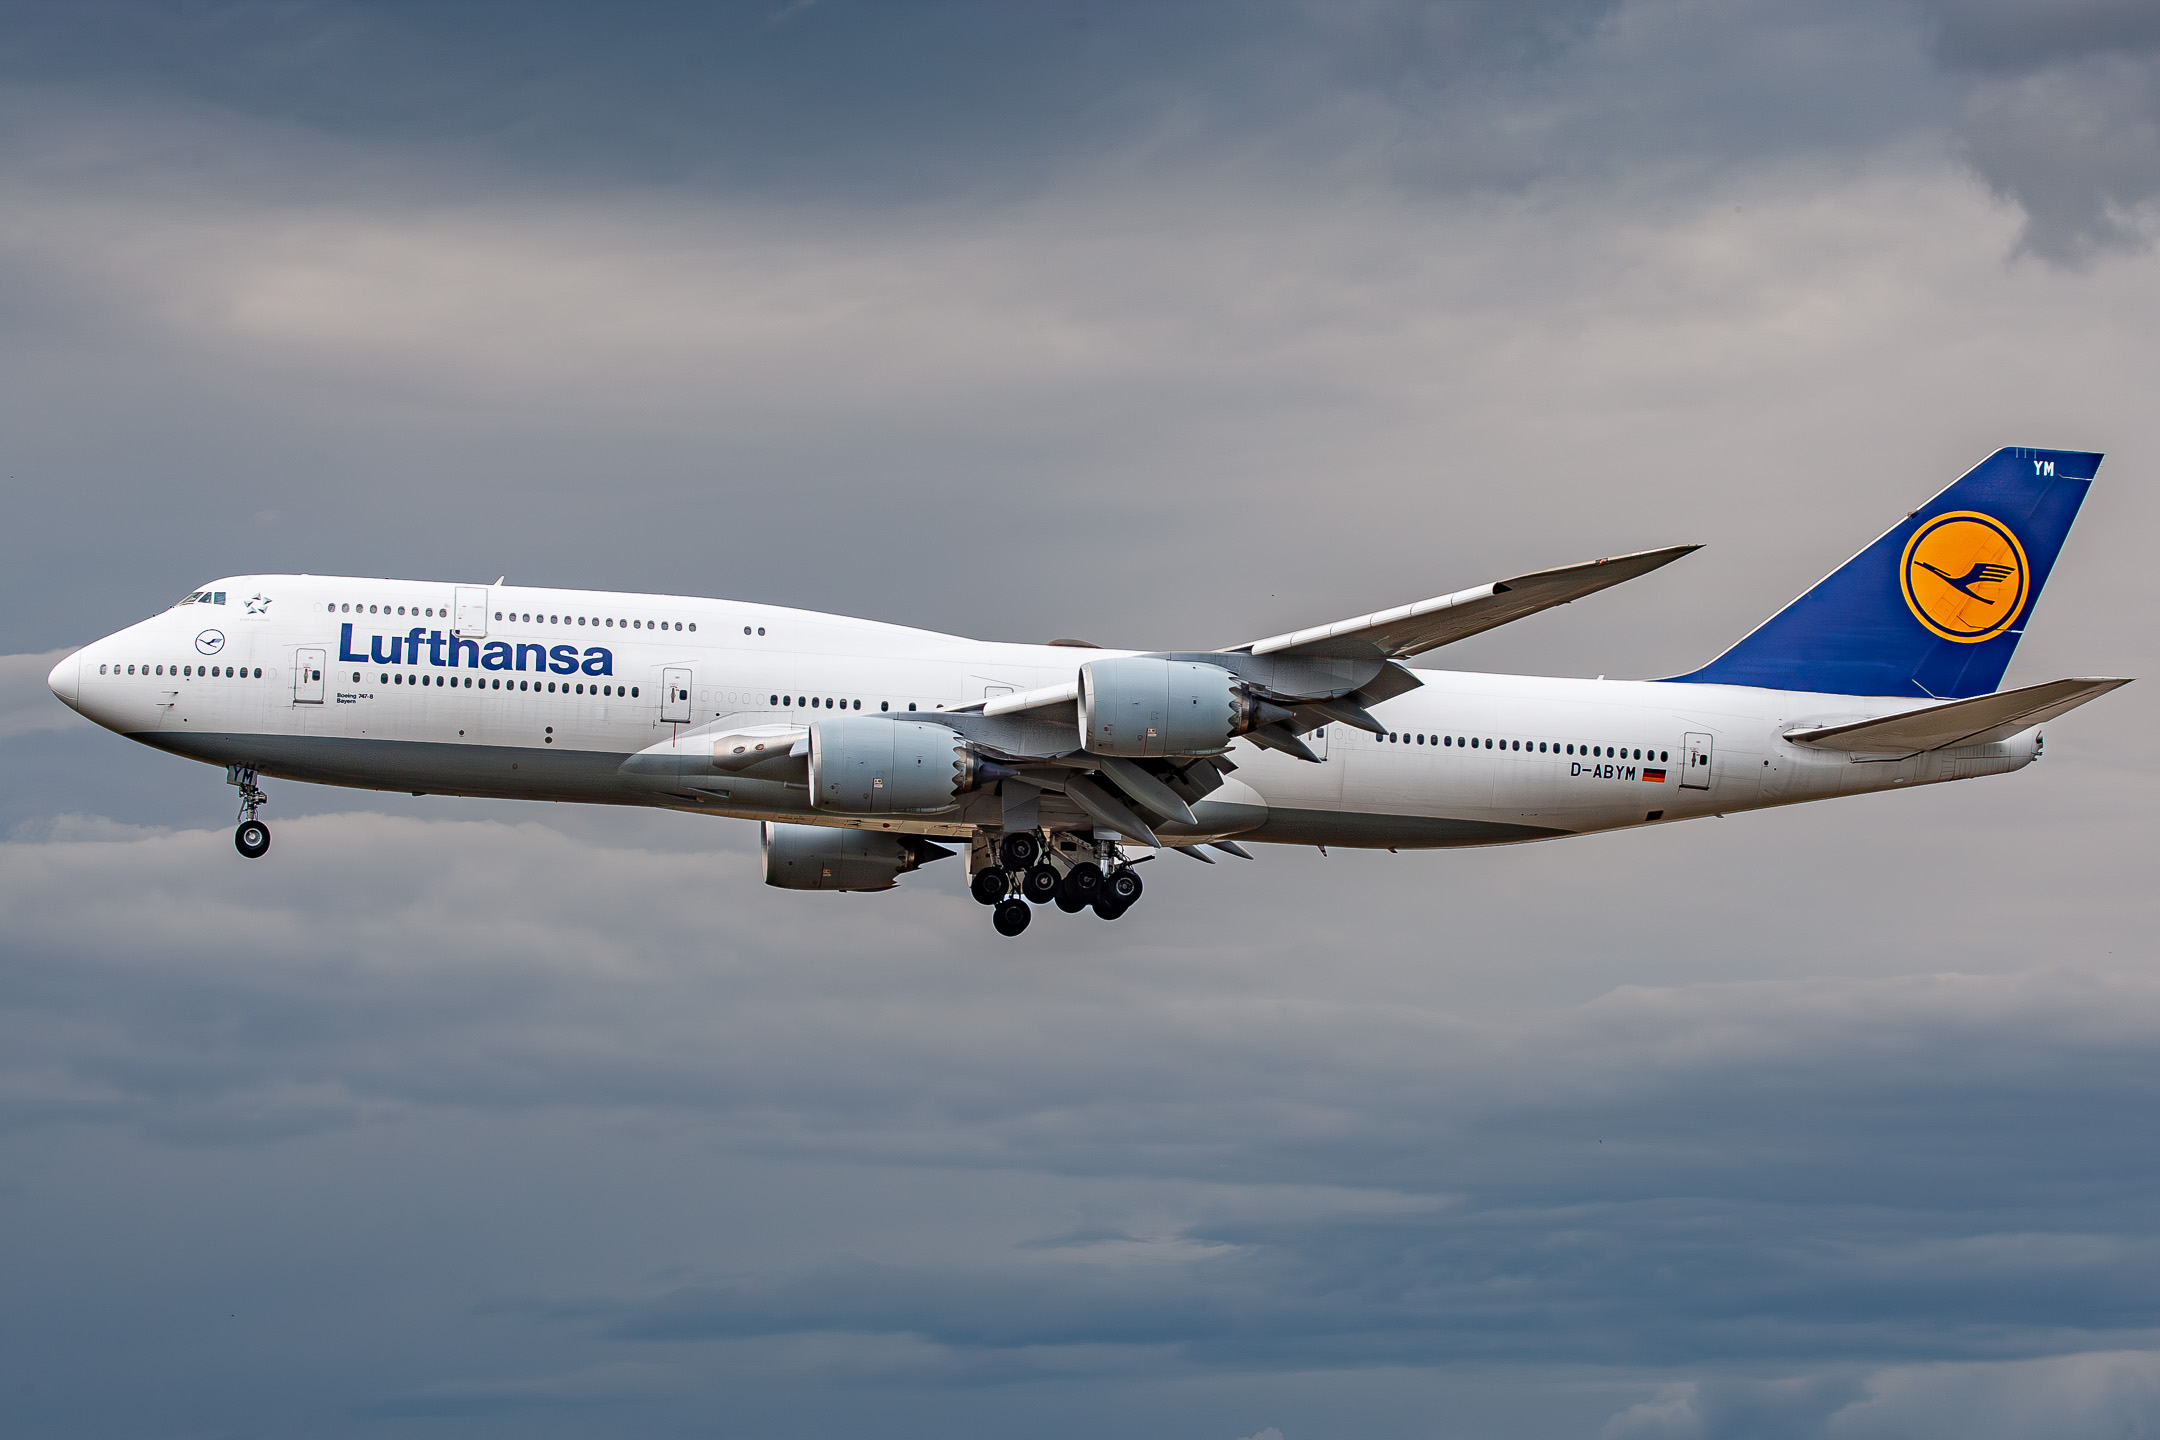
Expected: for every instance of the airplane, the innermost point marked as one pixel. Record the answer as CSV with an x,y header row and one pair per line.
x,y
859,746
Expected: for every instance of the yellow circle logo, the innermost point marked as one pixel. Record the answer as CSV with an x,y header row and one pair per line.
x,y
1965,576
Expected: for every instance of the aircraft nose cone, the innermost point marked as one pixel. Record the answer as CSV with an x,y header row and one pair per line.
x,y
65,681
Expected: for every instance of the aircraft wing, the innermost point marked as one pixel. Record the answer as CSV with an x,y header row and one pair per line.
x,y
1413,629
1978,721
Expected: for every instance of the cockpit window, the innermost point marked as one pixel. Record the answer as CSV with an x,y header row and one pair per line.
x,y
204,597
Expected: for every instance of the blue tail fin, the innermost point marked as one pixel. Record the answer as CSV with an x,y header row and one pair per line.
x,y
1936,605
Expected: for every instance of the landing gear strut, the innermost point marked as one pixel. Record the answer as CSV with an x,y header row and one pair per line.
x,y
1023,871
251,838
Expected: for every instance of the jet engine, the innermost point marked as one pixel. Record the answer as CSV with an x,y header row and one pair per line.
x,y
1140,706
812,857
864,765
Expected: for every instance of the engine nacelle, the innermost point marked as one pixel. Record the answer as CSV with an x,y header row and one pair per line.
x,y
860,765
1138,706
812,857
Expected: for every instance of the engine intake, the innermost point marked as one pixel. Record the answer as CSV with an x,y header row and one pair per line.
x,y
812,857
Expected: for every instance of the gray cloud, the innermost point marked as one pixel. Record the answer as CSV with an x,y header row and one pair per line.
x,y
26,705
1618,1182
2065,117
2096,1395
1175,327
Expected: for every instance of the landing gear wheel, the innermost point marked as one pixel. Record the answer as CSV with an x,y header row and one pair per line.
x,y
1083,882
989,886
1011,917
1019,850
1107,908
1121,886
1042,884
1070,903
252,839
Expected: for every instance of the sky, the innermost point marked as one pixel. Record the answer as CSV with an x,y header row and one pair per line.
x,y
1166,327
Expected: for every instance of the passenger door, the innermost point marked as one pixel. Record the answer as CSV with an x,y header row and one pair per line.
x,y
675,695
1695,768
472,611
307,676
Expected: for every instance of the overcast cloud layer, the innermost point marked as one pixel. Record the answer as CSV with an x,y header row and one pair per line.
x,y
1161,326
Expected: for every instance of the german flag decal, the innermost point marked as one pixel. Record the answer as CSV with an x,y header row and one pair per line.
x,y
1655,777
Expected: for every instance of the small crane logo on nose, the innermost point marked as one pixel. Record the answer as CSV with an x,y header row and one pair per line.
x,y
210,642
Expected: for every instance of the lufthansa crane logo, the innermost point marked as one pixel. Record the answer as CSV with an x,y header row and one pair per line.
x,y
209,642
1965,576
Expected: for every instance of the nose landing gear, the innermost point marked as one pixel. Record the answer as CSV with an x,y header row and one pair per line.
x,y
251,838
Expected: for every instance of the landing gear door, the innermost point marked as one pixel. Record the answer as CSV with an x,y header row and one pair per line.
x,y
675,695
1695,770
307,676
472,611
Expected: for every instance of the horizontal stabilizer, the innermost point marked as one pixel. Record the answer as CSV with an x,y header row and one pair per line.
x,y
1979,721
1413,629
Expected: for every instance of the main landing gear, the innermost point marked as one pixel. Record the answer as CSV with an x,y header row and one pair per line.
x,y
1029,870
251,838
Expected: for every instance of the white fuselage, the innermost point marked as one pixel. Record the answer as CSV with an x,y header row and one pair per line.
x,y
555,705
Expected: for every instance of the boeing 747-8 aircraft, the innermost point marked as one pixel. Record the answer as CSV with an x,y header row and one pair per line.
x,y
860,745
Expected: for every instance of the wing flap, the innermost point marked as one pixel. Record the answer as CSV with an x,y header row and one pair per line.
x,y
1412,629
1978,721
